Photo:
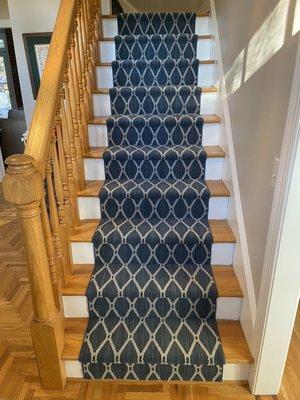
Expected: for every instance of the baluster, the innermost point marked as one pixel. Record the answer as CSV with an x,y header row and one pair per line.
x,y
75,60
23,186
59,194
56,288
76,148
92,55
54,220
82,43
67,150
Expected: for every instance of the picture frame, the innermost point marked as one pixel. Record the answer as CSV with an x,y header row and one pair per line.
x,y
36,49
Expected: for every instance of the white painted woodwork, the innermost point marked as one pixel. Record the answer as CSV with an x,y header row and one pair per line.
x,y
89,207
107,50
106,7
98,135
83,253
206,76
94,168
77,307
110,26
102,105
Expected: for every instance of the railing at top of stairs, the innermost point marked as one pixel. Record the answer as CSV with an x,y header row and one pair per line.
x,y
43,182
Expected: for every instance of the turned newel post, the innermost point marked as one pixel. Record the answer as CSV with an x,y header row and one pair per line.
x,y
24,187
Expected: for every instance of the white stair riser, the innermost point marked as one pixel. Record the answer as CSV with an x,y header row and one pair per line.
x,y
83,253
89,207
94,168
98,135
107,50
110,26
206,75
106,7
231,372
101,103
77,307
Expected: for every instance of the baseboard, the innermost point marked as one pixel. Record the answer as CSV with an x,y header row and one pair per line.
x,y
241,262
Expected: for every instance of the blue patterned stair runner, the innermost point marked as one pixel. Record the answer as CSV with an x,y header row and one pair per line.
x,y
152,295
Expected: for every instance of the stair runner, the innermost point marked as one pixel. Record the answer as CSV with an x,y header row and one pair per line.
x,y
152,295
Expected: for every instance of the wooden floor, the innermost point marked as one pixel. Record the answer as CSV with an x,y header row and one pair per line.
x,y
18,370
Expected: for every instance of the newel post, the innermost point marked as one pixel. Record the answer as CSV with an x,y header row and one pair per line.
x,y
23,186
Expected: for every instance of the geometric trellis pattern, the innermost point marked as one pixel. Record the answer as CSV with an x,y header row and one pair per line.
x,y
156,23
152,295
155,72
161,47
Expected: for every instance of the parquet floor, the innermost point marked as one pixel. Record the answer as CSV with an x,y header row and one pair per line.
x,y
18,370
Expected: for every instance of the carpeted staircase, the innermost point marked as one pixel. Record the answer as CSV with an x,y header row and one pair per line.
x,y
152,295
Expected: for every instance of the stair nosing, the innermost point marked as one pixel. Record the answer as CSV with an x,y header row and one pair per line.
x,y
87,229
200,37
87,192
108,64
208,119
198,15
212,152
85,270
204,89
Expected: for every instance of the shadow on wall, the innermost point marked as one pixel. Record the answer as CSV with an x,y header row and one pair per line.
x,y
266,42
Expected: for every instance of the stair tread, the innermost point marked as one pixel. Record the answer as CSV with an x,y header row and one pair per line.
x,y
108,64
208,119
233,340
221,231
111,39
198,14
226,281
205,89
217,188
212,152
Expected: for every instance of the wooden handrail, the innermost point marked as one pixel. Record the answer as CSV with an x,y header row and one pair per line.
x,y
44,181
46,105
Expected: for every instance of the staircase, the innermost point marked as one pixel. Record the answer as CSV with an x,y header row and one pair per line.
x,y
133,135
123,207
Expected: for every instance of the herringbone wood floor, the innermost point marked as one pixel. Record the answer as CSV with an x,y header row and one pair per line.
x,y
18,370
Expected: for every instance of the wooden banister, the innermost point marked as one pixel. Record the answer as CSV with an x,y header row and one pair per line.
x,y
45,110
44,181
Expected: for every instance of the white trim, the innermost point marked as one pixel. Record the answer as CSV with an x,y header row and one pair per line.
x,y
279,285
241,261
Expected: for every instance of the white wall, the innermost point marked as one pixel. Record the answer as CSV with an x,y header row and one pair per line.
x,y
258,52
4,14
27,17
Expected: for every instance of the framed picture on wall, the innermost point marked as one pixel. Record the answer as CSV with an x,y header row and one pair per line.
x,y
36,49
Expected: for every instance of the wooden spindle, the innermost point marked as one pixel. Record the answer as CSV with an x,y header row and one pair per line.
x,y
70,166
59,194
76,149
23,186
54,220
56,288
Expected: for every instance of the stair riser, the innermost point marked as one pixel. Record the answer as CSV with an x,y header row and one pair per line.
x,y
107,50
206,75
98,135
77,307
231,372
83,253
102,106
110,27
106,7
94,168
89,208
